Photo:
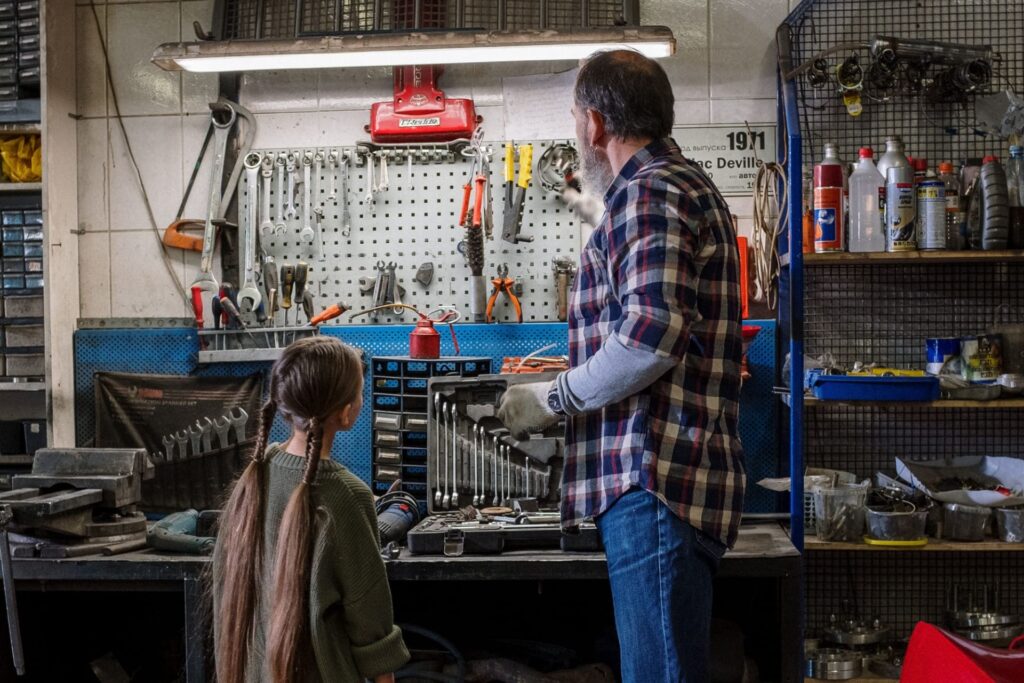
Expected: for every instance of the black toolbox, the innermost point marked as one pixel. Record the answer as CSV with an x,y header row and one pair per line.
x,y
486,491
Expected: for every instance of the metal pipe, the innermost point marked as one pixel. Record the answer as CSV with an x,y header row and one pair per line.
x,y
585,13
543,14
631,12
502,15
460,14
300,6
417,20
378,11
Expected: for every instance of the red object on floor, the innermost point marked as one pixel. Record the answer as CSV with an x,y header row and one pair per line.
x,y
419,111
741,243
935,654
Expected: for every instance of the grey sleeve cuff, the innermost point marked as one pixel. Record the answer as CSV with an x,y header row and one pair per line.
x,y
610,375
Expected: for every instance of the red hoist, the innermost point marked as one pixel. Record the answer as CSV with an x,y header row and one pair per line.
x,y
419,111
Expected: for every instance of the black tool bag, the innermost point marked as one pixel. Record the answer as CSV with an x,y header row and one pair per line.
x,y
140,410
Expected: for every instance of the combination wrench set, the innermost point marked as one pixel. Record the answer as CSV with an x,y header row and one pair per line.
x,y
486,490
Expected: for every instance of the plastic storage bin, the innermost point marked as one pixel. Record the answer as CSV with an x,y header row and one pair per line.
x,y
839,512
865,388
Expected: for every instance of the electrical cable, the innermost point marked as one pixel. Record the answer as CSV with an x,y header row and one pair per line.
x,y
135,165
460,661
768,183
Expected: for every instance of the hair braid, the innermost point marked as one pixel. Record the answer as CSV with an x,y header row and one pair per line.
x,y
288,636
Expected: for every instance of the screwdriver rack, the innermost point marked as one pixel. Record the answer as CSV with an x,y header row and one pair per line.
x,y
411,222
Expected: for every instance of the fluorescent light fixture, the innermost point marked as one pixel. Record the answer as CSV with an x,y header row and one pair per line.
x,y
400,49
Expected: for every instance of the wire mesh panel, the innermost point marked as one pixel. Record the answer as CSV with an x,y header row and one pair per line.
x,y
933,123
904,588
242,20
883,313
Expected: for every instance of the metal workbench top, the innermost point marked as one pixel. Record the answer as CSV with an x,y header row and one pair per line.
x,y
762,550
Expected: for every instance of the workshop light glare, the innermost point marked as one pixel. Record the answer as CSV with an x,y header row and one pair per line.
x,y
367,51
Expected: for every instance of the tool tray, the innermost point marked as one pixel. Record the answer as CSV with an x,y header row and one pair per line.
x,y
473,455
452,535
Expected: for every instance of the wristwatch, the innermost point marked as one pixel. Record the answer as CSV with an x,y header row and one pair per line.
x,y
554,402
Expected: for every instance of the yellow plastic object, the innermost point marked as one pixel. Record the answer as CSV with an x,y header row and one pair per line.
x,y
22,158
525,165
916,543
888,372
510,163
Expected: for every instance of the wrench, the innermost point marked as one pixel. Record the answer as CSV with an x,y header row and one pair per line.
x,y
307,232
195,435
447,498
370,186
385,180
205,279
238,423
222,425
437,450
346,218
474,429
332,165
266,170
280,163
290,211
495,468
249,291
528,475
206,425
508,472
455,458
168,442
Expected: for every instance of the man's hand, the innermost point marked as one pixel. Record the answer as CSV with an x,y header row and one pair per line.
x,y
589,208
524,409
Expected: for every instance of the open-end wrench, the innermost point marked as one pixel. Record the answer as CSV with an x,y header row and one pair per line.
x,y
238,423
474,430
508,472
195,435
205,279
307,232
447,498
266,170
528,475
222,426
437,450
206,425
332,166
385,180
168,442
495,463
346,218
455,458
290,211
250,293
280,164
370,180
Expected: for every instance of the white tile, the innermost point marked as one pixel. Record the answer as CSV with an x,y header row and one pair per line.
x,y
90,74
737,111
142,287
743,54
279,91
288,130
94,275
135,31
343,89
156,141
688,69
493,122
691,112
93,175
197,90
341,127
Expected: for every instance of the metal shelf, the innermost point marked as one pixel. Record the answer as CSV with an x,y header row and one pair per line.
x,y
811,402
21,187
811,543
1001,256
20,129
22,386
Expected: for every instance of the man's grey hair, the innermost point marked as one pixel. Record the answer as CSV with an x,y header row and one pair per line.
x,y
631,92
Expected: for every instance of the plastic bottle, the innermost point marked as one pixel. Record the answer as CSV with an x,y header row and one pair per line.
x,y
894,155
920,170
830,190
867,197
955,237
1015,189
995,208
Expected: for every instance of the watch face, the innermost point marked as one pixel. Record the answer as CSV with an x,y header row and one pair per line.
x,y
553,402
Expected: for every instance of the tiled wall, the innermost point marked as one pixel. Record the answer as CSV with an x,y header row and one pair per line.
x,y
722,73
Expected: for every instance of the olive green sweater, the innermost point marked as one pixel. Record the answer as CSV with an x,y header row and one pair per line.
x,y
351,623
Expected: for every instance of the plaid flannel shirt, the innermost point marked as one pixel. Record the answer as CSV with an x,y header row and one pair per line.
x,y
661,272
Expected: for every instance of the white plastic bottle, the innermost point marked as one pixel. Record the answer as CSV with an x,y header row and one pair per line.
x,y
867,197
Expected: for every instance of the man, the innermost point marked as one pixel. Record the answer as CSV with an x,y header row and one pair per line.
x,y
652,445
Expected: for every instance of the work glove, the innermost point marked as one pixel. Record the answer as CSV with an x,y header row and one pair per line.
x,y
589,208
524,409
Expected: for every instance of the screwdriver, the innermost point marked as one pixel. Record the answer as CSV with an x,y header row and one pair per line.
x,y
287,280
307,305
269,284
232,311
197,308
301,275
329,313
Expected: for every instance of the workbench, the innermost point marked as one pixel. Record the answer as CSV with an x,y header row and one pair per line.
x,y
763,551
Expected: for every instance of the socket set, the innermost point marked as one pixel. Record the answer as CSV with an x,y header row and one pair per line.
x,y
487,491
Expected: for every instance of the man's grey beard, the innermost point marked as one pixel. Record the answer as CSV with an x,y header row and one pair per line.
x,y
595,170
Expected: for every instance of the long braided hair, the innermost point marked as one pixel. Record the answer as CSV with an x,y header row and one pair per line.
x,y
313,379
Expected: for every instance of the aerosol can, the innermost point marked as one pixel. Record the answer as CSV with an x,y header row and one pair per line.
x,y
830,190
900,209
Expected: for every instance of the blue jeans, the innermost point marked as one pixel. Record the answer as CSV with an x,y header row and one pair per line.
x,y
660,569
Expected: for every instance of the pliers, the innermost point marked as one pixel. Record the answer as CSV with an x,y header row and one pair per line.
x,y
503,283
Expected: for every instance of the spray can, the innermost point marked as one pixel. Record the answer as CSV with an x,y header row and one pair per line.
x,y
900,209
829,203
931,214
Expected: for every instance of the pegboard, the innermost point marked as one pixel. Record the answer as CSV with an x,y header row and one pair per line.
x,y
175,352
412,222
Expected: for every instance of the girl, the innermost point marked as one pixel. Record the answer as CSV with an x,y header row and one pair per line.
x,y
300,592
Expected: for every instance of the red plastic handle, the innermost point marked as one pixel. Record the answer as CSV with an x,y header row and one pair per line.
x,y
478,200
467,190
197,305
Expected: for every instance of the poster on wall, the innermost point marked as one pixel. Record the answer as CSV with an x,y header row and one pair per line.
x,y
730,153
